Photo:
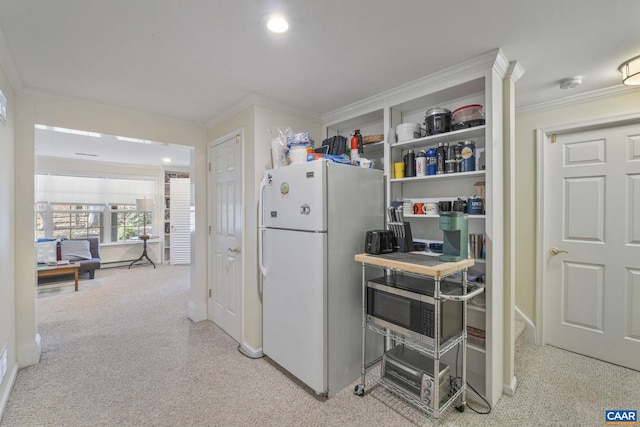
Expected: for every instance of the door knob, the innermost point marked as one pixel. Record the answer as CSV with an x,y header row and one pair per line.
x,y
556,251
236,250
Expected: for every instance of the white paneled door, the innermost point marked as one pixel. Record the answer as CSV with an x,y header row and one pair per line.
x,y
225,234
592,243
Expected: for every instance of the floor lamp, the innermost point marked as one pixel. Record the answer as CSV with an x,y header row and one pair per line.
x,y
144,205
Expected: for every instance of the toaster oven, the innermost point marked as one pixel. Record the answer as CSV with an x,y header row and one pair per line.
x,y
412,372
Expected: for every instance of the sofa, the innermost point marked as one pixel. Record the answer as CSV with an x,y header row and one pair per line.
x,y
86,252
92,264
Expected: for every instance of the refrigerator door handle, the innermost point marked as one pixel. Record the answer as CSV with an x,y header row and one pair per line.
x,y
263,184
263,270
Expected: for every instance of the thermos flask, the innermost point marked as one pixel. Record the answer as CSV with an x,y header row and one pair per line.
x,y
410,164
421,164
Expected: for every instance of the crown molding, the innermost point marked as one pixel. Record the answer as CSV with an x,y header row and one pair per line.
x,y
469,69
7,64
254,98
515,71
595,95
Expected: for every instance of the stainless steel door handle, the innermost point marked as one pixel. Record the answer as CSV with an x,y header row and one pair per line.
x,y
556,251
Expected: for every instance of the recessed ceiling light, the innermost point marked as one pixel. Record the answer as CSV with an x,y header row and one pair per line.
x,y
166,160
277,23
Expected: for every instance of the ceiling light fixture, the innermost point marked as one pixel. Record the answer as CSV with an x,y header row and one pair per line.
x,y
631,71
277,23
570,82
166,160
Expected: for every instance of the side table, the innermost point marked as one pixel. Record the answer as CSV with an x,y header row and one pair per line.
x,y
144,252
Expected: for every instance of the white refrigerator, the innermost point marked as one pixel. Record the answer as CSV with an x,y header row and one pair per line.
x,y
313,219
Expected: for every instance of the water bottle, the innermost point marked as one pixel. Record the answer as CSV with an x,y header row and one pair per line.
x,y
421,164
450,161
441,156
431,161
410,164
458,152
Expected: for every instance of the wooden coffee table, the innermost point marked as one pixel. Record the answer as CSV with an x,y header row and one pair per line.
x,y
59,270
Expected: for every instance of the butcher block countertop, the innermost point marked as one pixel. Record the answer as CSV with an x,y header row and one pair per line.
x,y
417,263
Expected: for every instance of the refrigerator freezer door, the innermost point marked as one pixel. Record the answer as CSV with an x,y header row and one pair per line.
x,y
295,197
294,304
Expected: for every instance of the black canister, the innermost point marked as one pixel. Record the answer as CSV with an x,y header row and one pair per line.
x,y
437,120
410,164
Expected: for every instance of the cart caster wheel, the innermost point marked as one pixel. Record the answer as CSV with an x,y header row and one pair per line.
x,y
460,408
359,390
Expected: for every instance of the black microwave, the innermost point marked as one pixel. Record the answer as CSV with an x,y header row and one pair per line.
x,y
405,304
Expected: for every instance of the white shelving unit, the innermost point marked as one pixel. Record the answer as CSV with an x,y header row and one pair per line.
x,y
478,81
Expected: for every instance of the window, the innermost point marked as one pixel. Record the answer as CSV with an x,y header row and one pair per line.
x,y
76,221
78,207
42,210
127,222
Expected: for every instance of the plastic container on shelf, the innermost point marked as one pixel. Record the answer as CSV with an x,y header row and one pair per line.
x,y
408,131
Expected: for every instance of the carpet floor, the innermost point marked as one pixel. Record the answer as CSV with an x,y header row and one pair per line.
x,y
122,352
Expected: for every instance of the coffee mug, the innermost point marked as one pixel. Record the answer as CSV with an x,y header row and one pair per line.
x,y
475,206
431,208
444,206
460,205
418,208
395,204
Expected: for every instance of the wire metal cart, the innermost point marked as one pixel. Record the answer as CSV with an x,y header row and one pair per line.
x,y
421,347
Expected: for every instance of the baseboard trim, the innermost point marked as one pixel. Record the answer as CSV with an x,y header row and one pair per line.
x,y
29,352
4,399
529,327
510,389
194,313
250,352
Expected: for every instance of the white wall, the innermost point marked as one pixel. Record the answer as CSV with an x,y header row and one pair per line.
x,y
7,241
95,118
525,191
256,121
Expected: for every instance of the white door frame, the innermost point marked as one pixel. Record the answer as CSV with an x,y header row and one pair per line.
x,y
542,136
212,144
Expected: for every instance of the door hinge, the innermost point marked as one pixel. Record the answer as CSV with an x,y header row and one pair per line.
x,y
209,166
209,229
209,293
237,139
553,138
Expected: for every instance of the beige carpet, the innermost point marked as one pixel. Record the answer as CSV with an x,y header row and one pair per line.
x,y
121,352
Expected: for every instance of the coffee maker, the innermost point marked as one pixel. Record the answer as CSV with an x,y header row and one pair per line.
x,y
455,227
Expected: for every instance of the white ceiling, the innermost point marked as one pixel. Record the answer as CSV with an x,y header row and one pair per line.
x,y
61,143
193,59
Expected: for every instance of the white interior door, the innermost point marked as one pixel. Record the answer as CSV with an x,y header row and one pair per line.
x,y
179,211
225,235
592,243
